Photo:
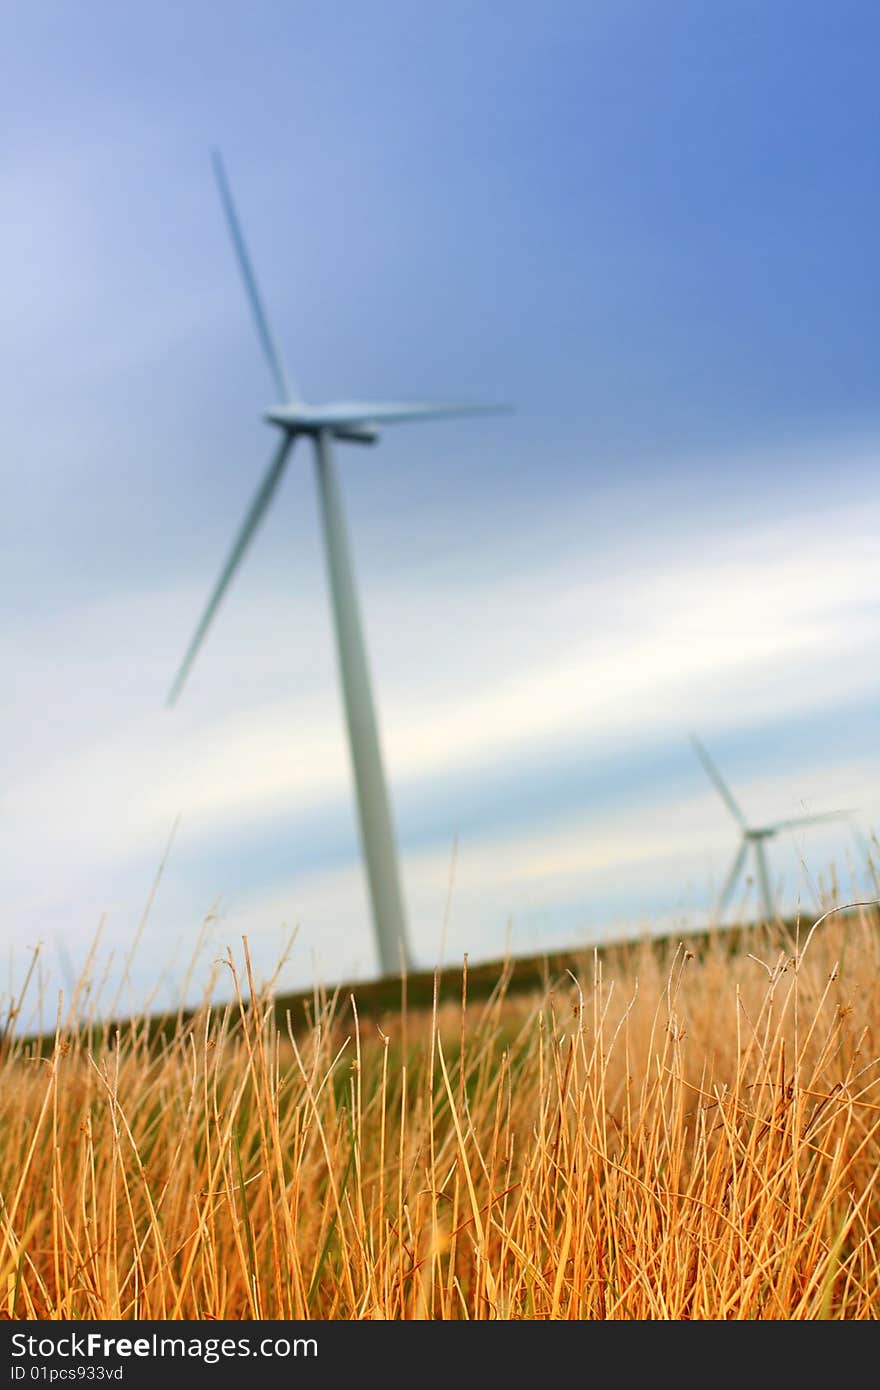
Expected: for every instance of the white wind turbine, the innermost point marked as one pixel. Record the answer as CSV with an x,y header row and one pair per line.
x,y
355,422
754,838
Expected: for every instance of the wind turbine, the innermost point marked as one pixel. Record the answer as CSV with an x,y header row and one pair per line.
x,y
753,837
355,422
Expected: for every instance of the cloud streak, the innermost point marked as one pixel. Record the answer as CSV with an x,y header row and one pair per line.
x,y
562,664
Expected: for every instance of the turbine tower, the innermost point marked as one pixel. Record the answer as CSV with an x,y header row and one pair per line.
x,y
754,838
354,422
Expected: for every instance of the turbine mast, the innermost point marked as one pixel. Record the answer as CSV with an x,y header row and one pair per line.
x,y
374,808
764,881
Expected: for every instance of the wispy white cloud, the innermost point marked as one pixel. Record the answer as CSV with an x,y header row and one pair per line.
x,y
770,624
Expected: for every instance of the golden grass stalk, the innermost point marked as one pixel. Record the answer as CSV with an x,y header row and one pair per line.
x,y
664,1133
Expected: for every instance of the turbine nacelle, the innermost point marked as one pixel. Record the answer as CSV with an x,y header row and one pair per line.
x,y
359,421
302,419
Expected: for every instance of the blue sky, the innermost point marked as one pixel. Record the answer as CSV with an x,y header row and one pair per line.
x,y
651,229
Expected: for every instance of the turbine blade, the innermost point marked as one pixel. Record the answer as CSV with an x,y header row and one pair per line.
x,y
340,416
394,412
718,781
270,347
255,515
809,820
731,880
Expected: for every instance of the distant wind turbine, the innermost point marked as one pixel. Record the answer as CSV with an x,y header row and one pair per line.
x,y
355,422
753,837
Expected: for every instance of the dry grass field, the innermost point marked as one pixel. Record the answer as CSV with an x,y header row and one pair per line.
x,y
685,1130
